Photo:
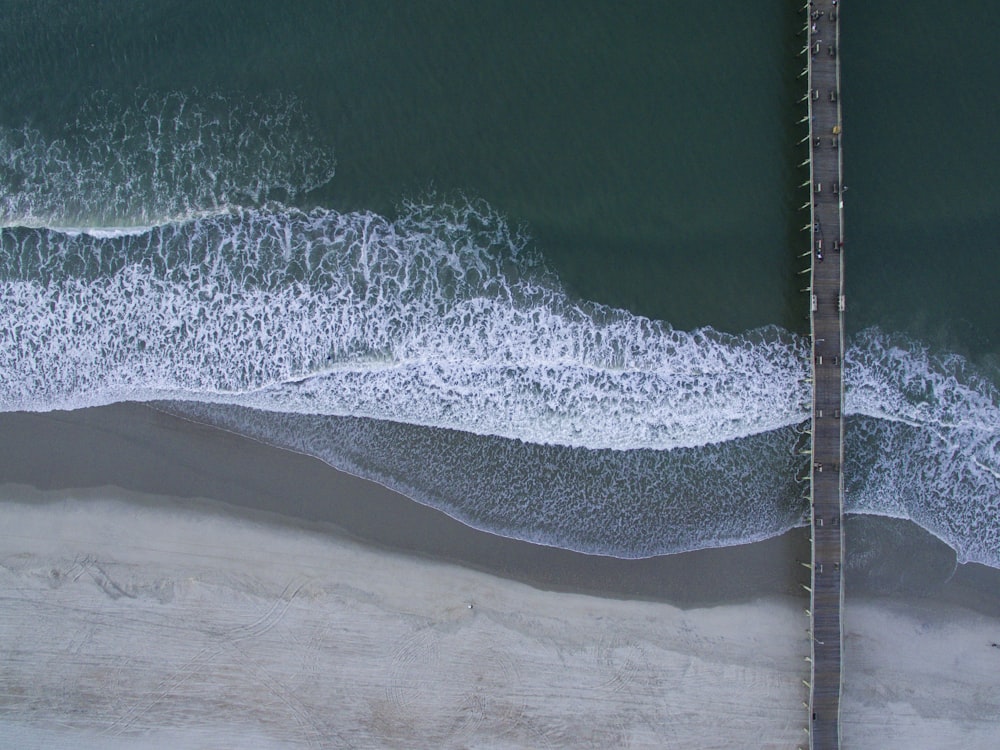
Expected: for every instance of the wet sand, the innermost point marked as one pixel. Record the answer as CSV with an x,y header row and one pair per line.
x,y
142,450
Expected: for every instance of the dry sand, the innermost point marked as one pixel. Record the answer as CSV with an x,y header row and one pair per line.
x,y
920,674
128,624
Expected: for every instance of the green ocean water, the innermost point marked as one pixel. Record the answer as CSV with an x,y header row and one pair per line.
x,y
649,152
922,166
644,145
649,147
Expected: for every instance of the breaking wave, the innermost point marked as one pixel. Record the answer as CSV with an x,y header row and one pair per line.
x,y
442,318
443,325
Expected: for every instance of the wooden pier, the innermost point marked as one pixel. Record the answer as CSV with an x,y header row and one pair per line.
x,y
826,292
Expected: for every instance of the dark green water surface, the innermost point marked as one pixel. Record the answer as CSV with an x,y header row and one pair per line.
x,y
646,146
923,160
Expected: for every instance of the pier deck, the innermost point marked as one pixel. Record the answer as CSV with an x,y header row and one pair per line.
x,y
827,326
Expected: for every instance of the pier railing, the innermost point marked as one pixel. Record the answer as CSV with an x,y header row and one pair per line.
x,y
826,306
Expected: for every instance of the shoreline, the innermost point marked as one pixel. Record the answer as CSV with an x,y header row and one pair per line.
x,y
139,449
126,449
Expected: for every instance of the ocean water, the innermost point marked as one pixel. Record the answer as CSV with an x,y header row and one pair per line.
x,y
534,267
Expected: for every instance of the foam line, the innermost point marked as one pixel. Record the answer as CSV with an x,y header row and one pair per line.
x,y
442,318
924,442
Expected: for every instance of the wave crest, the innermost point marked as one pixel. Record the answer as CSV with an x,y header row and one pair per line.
x,y
442,318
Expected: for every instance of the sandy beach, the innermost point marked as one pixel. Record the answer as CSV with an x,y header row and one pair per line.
x,y
129,622
142,618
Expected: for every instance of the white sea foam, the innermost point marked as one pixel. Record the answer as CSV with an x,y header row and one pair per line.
x,y
444,319
937,467
925,442
126,165
441,318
